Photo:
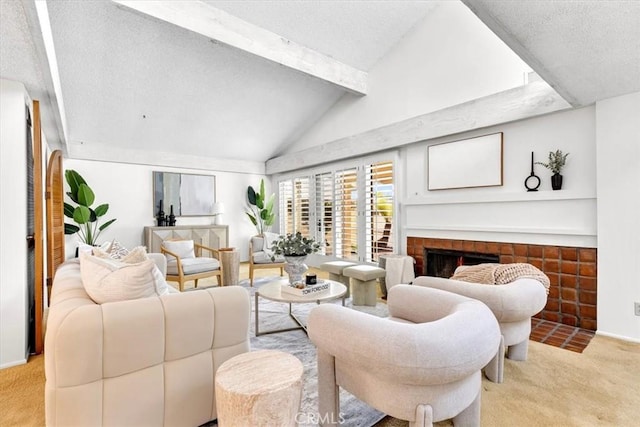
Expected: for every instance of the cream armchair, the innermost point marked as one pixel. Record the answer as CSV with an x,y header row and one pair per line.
x,y
422,364
512,304
186,261
259,259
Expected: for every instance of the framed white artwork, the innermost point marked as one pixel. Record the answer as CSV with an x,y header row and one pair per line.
x,y
467,163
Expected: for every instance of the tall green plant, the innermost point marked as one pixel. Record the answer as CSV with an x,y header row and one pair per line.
x,y
260,210
83,215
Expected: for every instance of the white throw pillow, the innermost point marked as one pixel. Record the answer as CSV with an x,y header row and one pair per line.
x,y
116,250
182,248
269,238
108,280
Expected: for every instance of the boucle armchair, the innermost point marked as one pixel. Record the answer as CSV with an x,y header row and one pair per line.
x,y
422,364
147,361
513,304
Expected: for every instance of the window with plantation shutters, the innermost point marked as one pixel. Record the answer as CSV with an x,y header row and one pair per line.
x,y
346,214
294,202
379,196
324,211
285,206
349,209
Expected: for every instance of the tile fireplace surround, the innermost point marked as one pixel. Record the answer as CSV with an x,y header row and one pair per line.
x,y
572,272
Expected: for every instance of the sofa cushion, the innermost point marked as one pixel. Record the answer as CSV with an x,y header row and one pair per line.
x,y
122,254
262,257
116,250
182,248
106,280
193,265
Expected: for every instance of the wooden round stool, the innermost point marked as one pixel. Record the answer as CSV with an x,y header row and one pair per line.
x,y
259,388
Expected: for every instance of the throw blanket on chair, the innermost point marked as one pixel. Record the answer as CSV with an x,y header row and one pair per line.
x,y
500,274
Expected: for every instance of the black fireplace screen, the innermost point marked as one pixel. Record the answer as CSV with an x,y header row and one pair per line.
x,y
442,263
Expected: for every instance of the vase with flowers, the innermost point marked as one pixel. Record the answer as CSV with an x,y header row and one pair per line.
x,y
295,248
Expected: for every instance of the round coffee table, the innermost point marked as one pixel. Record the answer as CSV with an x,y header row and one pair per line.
x,y
273,291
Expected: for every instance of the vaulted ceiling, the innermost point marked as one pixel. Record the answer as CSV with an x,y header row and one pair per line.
x,y
241,80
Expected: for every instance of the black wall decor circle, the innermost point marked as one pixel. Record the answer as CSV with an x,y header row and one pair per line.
x,y
532,182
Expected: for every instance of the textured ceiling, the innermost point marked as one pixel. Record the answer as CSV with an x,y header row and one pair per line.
x,y
162,87
20,61
357,33
586,50
133,82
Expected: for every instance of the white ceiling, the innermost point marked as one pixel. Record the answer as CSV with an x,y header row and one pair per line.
x,y
586,50
134,82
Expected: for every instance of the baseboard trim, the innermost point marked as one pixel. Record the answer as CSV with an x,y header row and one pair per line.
x,y
618,337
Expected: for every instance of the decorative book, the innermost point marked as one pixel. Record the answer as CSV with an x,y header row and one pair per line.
x,y
307,289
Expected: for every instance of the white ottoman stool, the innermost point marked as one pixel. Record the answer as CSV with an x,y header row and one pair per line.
x,y
259,388
363,283
334,268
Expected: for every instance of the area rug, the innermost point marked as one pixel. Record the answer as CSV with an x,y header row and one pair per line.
x,y
274,315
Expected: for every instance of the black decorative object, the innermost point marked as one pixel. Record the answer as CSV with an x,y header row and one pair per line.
x,y
311,279
533,181
172,218
556,181
160,218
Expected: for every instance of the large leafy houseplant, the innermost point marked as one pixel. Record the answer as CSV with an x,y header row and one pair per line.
x,y
260,208
86,217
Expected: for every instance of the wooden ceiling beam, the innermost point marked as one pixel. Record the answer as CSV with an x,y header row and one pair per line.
x,y
220,26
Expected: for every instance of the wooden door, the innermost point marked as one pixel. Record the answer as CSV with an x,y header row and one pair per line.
x,y
55,216
38,228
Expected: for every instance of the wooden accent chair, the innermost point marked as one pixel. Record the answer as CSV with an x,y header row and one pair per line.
x,y
258,259
183,264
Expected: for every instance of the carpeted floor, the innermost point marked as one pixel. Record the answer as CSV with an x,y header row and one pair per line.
x,y
554,387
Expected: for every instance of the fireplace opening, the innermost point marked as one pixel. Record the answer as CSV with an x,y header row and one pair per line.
x,y
442,263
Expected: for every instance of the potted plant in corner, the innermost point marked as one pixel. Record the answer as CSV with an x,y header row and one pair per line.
x,y
260,208
86,217
295,248
555,164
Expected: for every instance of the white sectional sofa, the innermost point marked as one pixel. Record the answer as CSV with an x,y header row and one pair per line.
x,y
149,361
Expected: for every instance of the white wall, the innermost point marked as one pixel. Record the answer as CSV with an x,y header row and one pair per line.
x,y
618,151
128,189
509,213
13,224
448,58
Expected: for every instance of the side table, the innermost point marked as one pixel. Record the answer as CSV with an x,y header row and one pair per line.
x,y
259,388
230,260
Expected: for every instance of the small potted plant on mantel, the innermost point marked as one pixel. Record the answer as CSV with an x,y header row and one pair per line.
x,y
555,164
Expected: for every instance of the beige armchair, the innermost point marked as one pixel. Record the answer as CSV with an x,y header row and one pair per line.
x,y
183,264
259,259
422,364
512,304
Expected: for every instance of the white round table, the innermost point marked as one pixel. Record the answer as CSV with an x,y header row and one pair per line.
x,y
273,291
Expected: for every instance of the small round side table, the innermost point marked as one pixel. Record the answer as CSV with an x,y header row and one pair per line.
x,y
230,260
259,388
